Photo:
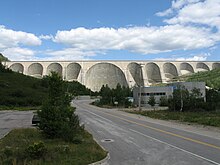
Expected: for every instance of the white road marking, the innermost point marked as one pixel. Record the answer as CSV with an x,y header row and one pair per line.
x,y
98,116
198,156
201,157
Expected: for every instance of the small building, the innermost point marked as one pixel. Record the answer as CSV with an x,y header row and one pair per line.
x,y
190,86
146,92
165,91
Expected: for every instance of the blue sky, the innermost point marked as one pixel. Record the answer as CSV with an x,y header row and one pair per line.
x,y
110,30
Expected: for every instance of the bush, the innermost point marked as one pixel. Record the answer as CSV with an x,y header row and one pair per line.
x,y
163,101
36,151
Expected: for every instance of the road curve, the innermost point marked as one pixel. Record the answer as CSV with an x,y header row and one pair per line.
x,y
131,141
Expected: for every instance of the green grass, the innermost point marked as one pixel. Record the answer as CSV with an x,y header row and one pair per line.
x,y
13,149
28,108
211,78
203,118
18,90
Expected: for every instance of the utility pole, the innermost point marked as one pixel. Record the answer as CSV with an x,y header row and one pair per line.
x,y
139,100
181,99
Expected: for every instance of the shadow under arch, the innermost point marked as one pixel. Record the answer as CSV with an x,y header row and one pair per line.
x,y
35,70
55,67
153,73
201,66
17,67
186,68
170,70
135,70
215,65
72,71
104,74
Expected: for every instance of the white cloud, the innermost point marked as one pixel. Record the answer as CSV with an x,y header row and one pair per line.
x,y
142,40
194,58
176,4
199,12
11,42
192,24
46,37
180,3
70,54
199,57
165,13
19,54
10,38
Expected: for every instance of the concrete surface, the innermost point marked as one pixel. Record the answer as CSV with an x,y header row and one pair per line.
x,y
134,140
94,74
14,119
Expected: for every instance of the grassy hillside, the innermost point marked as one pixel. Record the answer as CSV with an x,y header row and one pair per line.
x,y
212,78
18,90
3,58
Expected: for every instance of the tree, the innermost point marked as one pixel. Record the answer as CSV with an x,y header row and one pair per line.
x,y
163,101
180,99
195,99
212,99
183,100
152,101
106,95
57,118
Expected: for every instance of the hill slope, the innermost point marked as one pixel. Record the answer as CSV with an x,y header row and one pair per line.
x,y
3,58
212,78
19,90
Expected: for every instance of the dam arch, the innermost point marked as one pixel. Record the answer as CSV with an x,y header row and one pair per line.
x,y
17,67
104,73
35,70
55,67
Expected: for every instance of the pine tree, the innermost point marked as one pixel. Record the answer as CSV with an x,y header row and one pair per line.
x,y
152,101
57,118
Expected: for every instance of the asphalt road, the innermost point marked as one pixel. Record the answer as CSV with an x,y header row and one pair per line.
x,y
131,141
14,119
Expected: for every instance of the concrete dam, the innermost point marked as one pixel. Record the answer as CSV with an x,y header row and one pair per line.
x,y
94,74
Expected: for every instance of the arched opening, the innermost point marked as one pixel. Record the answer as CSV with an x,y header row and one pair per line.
x,y
35,70
136,73
170,70
17,67
153,73
215,65
186,68
72,71
202,67
104,73
55,67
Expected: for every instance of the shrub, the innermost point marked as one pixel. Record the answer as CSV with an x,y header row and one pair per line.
x,y
36,151
163,101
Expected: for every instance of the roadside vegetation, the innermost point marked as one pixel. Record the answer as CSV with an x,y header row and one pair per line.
x,y
118,97
188,106
59,138
30,146
204,118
